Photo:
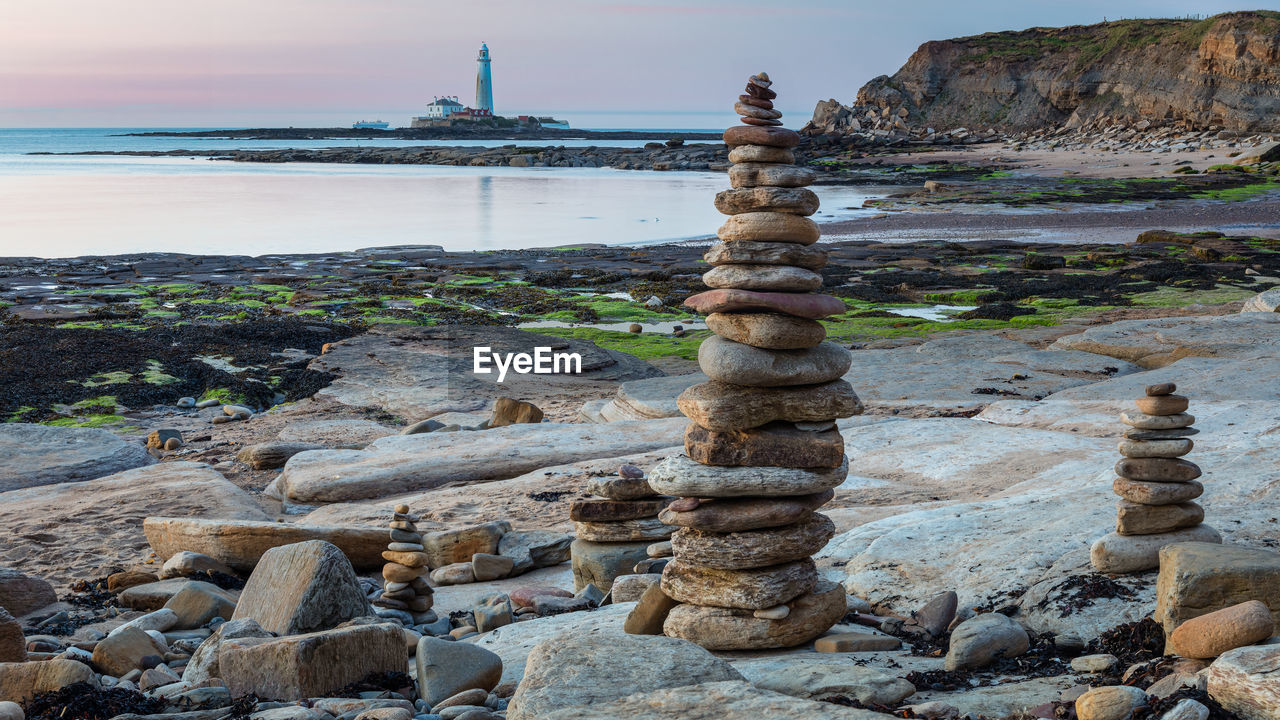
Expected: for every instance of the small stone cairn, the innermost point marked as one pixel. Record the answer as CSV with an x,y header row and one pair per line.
x,y
614,530
1156,486
763,452
406,587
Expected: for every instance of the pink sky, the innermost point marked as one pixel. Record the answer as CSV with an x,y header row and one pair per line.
x,y
329,62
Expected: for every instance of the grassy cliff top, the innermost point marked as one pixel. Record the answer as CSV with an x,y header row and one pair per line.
x,y
1088,43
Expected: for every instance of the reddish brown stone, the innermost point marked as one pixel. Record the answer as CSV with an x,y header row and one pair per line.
x,y
777,444
755,101
805,305
738,514
615,510
1157,469
760,122
773,137
760,92
1161,389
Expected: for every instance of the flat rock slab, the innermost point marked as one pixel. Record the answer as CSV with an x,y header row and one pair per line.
x,y
240,543
407,463
587,670
713,701
44,454
99,522
513,643
1155,343
1221,404
336,433
419,372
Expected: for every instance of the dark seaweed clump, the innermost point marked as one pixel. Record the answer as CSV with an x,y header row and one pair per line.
x,y
85,702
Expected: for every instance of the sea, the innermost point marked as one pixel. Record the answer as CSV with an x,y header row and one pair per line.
x,y
73,205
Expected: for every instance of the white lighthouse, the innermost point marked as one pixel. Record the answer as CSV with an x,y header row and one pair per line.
x,y
484,81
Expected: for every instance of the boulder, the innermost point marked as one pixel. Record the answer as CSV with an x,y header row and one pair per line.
x,y
349,433
532,549
980,640
509,411
312,664
1243,681
513,643
273,455
21,593
808,616
302,588
576,671
118,504
203,665
816,678
1268,301
20,682
1115,702
712,701
1199,578
151,596
401,464
47,454
457,546
599,563
123,651
199,602
13,643
447,668
240,544
1265,152
185,562
1210,635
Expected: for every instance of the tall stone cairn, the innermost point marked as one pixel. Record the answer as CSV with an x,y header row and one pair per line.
x,y
1156,486
763,452
405,585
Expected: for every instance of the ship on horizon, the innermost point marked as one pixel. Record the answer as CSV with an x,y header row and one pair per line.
x,y
370,125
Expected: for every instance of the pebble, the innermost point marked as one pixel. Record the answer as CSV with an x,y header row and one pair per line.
x,y
234,410
767,136
454,574
769,227
735,363
474,696
855,642
773,331
1109,703
779,278
796,201
621,488
770,174
1161,389
212,402
1157,422
748,589
737,514
172,444
659,549
1163,404
760,153
1155,448
485,566
1212,634
650,613
1094,663
1156,493
777,612
751,252
405,547
630,472
524,596
1157,469
186,402
11,711
1187,709
1135,519
803,305
680,476
978,641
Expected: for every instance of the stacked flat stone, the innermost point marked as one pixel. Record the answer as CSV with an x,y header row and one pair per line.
x,y
615,529
1156,486
763,452
405,585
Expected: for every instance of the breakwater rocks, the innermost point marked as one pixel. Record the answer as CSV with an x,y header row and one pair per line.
x,y
468,131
